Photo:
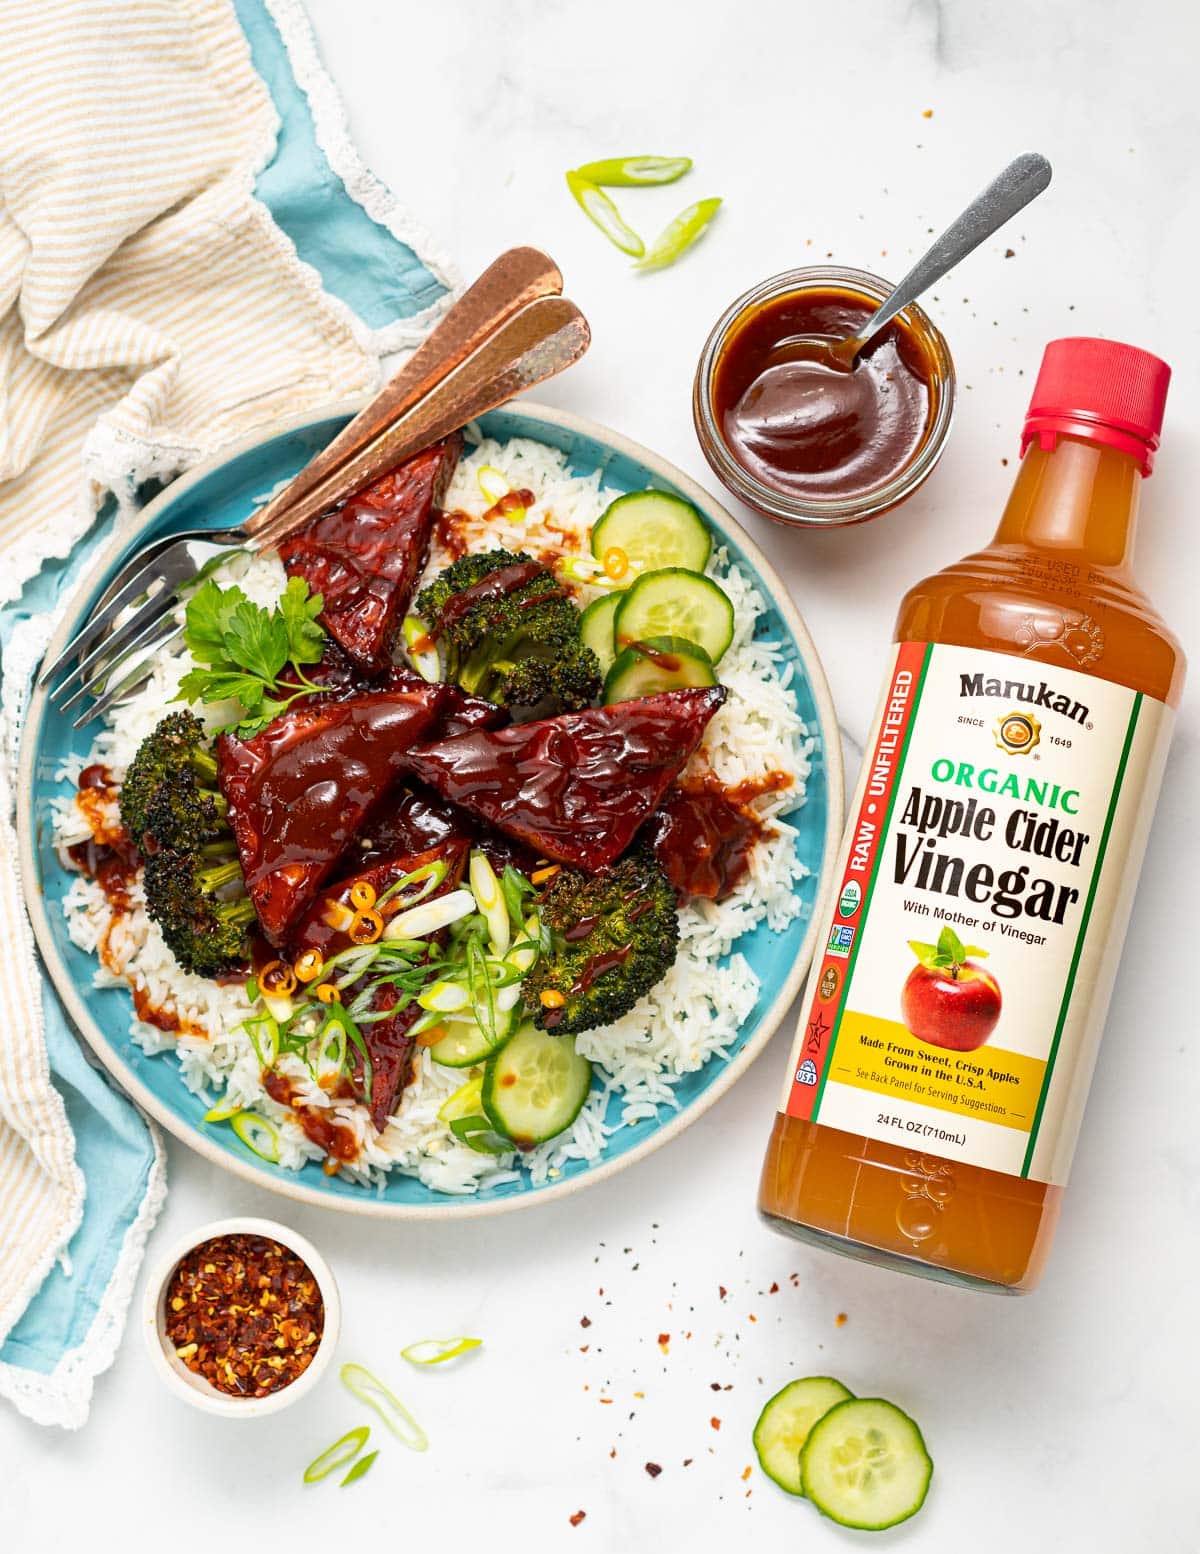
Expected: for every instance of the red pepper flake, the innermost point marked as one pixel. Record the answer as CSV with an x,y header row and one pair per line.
x,y
774,1290
664,1342
613,1452
583,1348
927,113
577,1518
715,1422
746,1472
722,1291
753,1318
1010,253
606,1400
585,1321
687,1461
653,1469
841,1319
245,1313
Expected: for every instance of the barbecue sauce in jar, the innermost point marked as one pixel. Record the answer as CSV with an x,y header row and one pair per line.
x,y
798,433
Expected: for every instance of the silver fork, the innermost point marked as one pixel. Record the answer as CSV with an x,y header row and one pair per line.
x,y
508,331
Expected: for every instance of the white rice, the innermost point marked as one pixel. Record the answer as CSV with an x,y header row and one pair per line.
x,y
691,1017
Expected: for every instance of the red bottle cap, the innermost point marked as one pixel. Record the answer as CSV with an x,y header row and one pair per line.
x,y
1100,390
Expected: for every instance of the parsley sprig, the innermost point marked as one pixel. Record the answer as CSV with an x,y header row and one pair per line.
x,y
241,649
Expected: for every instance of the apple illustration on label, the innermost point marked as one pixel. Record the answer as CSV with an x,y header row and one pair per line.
x,y
948,999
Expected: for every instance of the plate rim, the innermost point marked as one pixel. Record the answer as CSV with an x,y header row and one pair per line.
x,y
452,1206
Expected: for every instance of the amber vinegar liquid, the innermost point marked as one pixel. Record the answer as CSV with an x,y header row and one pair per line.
x,y
1056,589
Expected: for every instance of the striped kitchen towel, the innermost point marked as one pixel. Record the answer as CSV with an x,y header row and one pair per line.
x,y
189,248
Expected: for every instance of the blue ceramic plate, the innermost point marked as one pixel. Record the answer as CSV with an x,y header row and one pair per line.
x,y
224,492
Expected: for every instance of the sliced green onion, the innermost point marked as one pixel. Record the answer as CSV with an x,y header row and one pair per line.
x,y
337,1455
360,1469
467,1101
516,888
597,206
251,990
419,921
425,658
370,1390
432,874
223,1110
258,1135
493,483
679,235
337,1016
434,1351
477,1133
331,1058
263,1031
279,1006
444,998
489,898
635,171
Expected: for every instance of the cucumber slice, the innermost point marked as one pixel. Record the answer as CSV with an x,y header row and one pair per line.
x,y
466,1042
675,602
536,1086
785,1421
654,530
662,664
865,1465
597,627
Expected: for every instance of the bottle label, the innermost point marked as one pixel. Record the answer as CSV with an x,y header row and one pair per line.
x,y
965,961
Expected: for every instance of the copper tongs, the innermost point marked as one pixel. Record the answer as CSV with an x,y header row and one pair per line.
x,y
510,330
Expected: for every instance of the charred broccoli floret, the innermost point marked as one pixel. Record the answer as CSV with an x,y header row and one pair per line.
x,y
206,931
514,639
172,808
612,936
175,752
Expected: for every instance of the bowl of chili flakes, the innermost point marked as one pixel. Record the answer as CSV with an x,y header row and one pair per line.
x,y
242,1317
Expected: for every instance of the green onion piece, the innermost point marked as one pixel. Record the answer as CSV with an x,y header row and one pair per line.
x,y
465,1102
493,483
425,658
631,172
258,1135
223,1110
433,1351
337,1455
586,569
432,873
263,1031
360,1469
368,1389
252,990
679,235
444,998
599,208
478,1134
489,898
335,1015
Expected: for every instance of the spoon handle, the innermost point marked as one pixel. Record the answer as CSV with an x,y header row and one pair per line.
x,y
1020,182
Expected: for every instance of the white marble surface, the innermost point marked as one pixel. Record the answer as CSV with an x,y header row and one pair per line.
x,y
1063,1421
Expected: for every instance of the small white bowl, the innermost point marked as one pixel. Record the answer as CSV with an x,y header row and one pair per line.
x,y
195,1389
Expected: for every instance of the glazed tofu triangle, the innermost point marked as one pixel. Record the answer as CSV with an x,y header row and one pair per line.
x,y
365,557
299,791
575,788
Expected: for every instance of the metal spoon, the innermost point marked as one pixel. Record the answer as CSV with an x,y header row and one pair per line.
x,y
1020,182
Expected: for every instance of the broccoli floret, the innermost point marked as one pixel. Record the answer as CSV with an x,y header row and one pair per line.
x,y
178,745
205,931
612,936
193,882
518,648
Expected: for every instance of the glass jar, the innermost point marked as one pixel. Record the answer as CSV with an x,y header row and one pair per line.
x,y
817,510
